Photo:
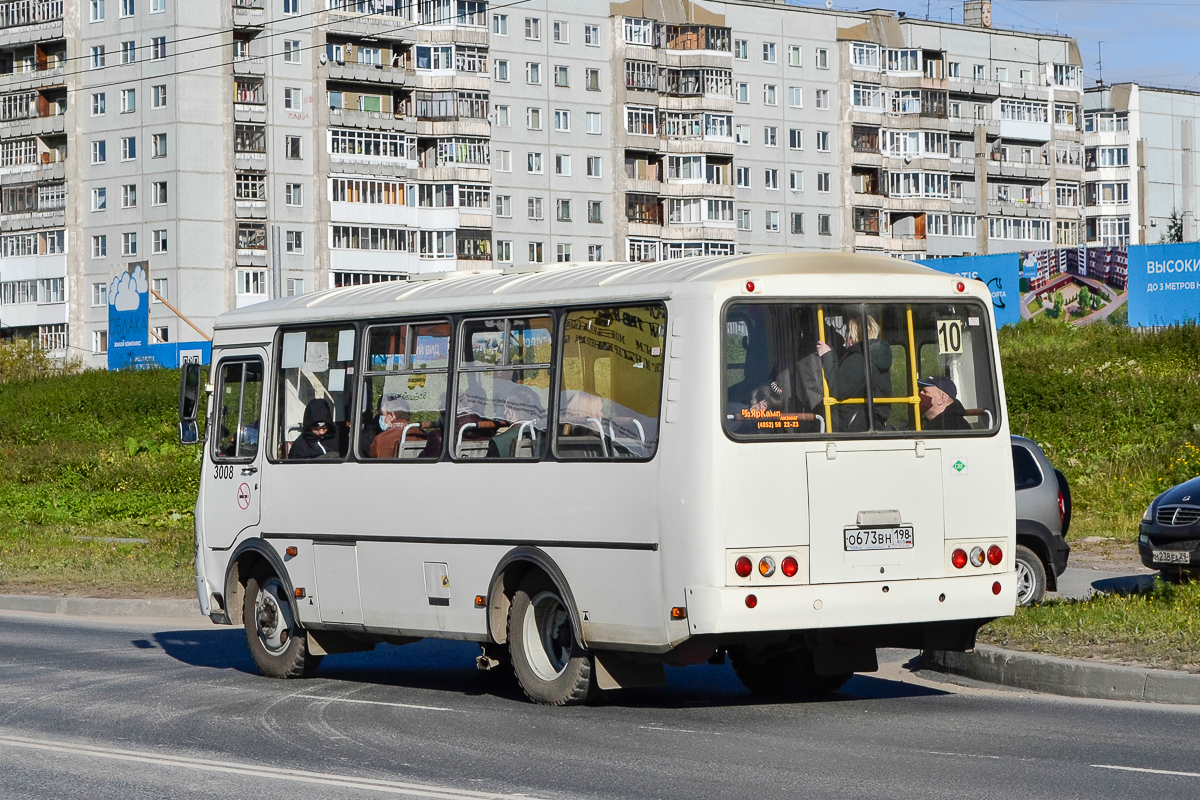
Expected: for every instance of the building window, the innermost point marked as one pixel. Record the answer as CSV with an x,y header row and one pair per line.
x,y
99,152
639,31
564,253
741,49
823,98
533,163
562,32
128,101
743,219
797,225
771,221
595,252
742,177
159,242
562,164
769,95
822,141
742,134
294,243
795,97
504,251
289,6
99,199
128,52
795,56
100,246
771,179
158,96
533,207
158,47
593,166
128,148
741,92
293,194
500,24
99,294
295,287
591,35
98,104
96,10
823,182
591,79
128,8
129,195
796,139
99,342
502,117
535,252
823,225
291,51
562,76
533,72
769,52
533,28
97,60
293,98
502,70
562,120
129,243
564,210
503,161
796,180
158,193
158,145
593,208
771,136
503,205
822,58
252,282
291,147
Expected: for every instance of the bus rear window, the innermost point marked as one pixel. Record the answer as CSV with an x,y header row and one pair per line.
x,y
841,369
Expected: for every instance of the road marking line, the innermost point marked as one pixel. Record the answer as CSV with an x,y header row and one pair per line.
x,y
961,755
377,703
1151,771
677,730
274,773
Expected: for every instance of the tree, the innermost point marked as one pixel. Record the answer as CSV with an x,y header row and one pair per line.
x,y
1174,232
1084,299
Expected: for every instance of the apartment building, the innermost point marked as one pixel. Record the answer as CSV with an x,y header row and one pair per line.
x,y
248,149
1140,164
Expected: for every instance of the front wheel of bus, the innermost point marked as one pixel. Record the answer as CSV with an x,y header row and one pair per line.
x,y
278,645
547,658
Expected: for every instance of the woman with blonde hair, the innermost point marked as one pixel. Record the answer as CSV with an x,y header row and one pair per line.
x,y
847,375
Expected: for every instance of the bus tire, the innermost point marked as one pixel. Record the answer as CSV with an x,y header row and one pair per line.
x,y
547,659
278,645
1031,577
788,674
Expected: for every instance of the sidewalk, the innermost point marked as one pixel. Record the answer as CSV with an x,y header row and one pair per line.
x,y
160,608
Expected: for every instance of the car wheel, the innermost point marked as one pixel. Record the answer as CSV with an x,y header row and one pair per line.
x,y
278,645
786,675
550,664
1031,577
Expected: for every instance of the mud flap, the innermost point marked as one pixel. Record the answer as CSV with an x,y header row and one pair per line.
x,y
615,671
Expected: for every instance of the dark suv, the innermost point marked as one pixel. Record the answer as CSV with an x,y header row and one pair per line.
x,y
1043,517
1169,534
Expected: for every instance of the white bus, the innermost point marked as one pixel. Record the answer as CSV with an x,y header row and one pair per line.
x,y
598,470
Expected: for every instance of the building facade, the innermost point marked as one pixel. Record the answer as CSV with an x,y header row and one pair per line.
x,y
248,149
1141,166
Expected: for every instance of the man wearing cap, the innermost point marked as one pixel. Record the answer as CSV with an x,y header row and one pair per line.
x,y
940,407
395,419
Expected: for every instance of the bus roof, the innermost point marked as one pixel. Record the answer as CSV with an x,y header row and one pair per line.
x,y
551,283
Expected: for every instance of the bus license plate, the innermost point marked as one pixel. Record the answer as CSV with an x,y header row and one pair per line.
x,y
1171,557
897,538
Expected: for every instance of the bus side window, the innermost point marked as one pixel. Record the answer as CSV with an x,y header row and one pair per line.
x,y
404,394
612,373
503,388
316,383
240,394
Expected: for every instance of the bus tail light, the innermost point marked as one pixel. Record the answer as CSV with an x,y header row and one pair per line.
x,y
996,587
977,557
995,555
959,558
751,601
766,567
743,567
789,567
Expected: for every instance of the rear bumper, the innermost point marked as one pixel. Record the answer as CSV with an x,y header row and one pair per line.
x,y
723,610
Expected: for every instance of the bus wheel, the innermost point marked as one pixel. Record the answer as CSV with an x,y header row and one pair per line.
x,y
547,659
1031,577
278,645
788,674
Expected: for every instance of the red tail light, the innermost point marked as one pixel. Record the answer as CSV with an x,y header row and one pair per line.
x,y
996,587
789,567
1062,509
743,567
995,555
751,601
959,558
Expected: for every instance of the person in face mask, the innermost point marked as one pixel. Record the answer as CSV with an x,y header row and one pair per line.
x,y
318,440
371,427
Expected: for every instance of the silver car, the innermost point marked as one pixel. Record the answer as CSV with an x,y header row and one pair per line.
x,y
1043,517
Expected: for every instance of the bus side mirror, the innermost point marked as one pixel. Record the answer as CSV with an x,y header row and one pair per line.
x,y
190,384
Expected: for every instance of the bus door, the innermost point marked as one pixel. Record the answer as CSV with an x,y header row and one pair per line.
x,y
231,475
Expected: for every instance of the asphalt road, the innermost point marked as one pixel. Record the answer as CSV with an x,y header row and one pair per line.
x,y
138,709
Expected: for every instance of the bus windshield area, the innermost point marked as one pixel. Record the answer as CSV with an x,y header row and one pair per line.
x,y
841,369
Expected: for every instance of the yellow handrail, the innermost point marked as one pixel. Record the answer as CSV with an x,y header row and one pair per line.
x,y
912,362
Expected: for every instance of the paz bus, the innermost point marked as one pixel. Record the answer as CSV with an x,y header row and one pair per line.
x,y
596,471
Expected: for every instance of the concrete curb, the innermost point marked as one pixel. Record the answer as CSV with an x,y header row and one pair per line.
x,y
96,607
1064,676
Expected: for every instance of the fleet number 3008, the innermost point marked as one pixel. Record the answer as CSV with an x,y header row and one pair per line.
x,y
223,472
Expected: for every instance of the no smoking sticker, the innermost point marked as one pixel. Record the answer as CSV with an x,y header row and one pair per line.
x,y
243,496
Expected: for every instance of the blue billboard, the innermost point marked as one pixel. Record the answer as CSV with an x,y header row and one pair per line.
x,y
1164,284
1000,272
129,345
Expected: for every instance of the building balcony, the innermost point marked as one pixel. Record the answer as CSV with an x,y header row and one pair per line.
x,y
968,125
28,21
1107,138
455,126
248,14
250,209
249,66
250,112
34,126
32,79
447,80
970,86
1018,208
371,120
368,73
456,173
30,220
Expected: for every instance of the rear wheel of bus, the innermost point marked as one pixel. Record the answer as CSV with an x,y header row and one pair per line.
x,y
278,645
550,664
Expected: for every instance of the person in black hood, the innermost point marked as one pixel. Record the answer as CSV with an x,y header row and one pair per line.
x,y
847,374
318,439
940,408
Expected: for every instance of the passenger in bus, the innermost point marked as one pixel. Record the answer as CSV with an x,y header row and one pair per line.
x,y
371,427
846,374
524,418
397,417
940,408
318,439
